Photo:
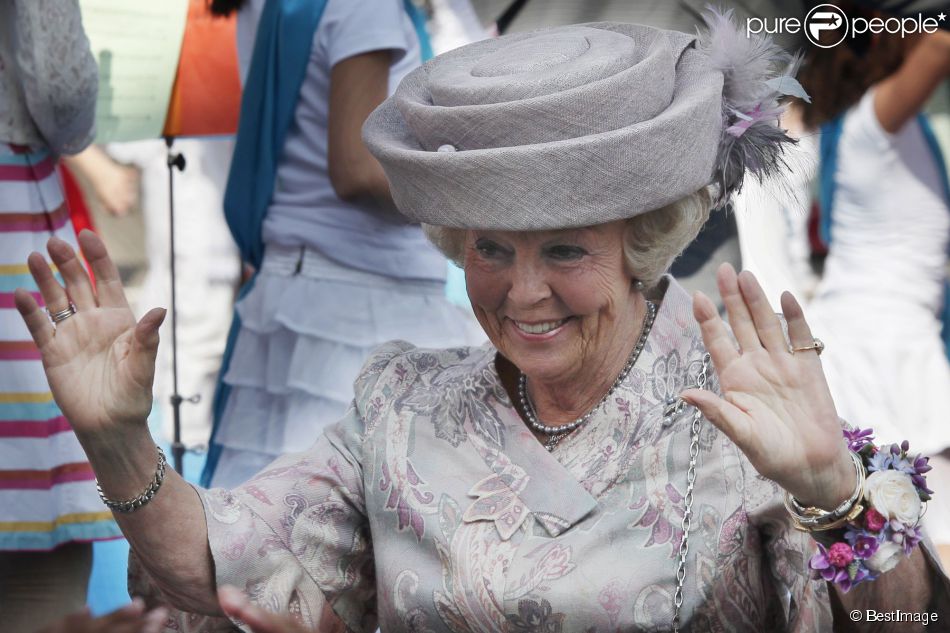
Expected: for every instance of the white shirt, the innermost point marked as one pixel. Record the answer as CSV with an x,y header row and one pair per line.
x,y
305,209
891,220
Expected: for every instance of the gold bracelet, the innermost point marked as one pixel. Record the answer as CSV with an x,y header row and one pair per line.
x,y
810,518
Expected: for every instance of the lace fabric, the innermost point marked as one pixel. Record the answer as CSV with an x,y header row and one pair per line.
x,y
48,76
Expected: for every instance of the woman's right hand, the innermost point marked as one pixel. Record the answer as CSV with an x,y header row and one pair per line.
x,y
99,362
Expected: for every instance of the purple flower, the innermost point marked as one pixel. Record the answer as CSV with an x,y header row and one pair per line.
x,y
919,467
847,578
820,564
858,438
903,465
921,482
863,542
921,464
843,580
865,546
881,460
906,536
854,574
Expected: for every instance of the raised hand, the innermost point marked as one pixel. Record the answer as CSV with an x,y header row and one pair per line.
x,y
99,362
775,405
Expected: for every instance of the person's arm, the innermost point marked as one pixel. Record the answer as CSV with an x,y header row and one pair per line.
x,y
777,408
357,85
100,365
898,98
115,185
909,587
58,73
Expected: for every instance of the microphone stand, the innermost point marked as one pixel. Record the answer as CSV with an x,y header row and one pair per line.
x,y
174,161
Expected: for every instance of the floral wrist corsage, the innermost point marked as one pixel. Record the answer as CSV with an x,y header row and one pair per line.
x,y
894,493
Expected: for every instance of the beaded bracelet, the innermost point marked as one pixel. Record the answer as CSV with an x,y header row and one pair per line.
x,y
135,503
863,544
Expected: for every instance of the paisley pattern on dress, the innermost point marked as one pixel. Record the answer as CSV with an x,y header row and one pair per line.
x,y
432,508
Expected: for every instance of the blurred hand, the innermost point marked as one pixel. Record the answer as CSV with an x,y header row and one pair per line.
x,y
99,362
131,618
236,605
775,405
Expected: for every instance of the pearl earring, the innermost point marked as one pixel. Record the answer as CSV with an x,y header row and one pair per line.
x,y
638,285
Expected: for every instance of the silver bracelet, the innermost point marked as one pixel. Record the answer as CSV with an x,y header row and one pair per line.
x,y
135,503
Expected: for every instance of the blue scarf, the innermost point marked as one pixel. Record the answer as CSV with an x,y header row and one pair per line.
x,y
278,66
830,139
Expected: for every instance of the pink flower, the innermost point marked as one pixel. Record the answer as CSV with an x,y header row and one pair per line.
x,y
840,555
874,520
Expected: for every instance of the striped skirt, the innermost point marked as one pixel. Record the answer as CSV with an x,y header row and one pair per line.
x,y
47,489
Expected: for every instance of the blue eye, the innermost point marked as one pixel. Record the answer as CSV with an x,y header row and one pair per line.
x,y
565,252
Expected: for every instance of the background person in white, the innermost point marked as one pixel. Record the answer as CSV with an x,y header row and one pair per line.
x,y
343,272
879,302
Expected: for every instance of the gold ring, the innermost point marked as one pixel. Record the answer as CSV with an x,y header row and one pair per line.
x,y
816,345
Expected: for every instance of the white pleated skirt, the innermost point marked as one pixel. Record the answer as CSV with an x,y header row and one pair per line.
x,y
307,326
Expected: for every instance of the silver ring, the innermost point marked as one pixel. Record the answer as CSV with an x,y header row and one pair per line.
x,y
816,345
62,315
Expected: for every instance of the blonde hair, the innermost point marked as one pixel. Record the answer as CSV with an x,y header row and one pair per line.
x,y
651,241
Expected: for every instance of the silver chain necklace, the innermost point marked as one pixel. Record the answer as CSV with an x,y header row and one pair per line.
x,y
695,427
557,433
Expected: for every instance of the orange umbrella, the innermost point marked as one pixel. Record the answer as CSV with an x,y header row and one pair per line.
x,y
206,96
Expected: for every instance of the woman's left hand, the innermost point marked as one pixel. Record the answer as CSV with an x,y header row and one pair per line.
x,y
775,404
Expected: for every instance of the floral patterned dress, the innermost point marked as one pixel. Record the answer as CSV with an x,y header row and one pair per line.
x,y
430,507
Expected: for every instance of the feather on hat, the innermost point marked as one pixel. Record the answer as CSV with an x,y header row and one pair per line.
x,y
757,73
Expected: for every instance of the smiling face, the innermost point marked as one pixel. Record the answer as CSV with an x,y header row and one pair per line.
x,y
560,304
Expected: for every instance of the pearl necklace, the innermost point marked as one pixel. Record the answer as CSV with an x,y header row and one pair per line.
x,y
557,433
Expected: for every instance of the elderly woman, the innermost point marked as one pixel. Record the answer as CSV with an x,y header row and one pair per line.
x,y
615,459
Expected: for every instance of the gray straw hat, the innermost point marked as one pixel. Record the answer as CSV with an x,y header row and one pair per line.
x,y
580,125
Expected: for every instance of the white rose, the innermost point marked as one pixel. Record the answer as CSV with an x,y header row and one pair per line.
x,y
892,493
885,558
